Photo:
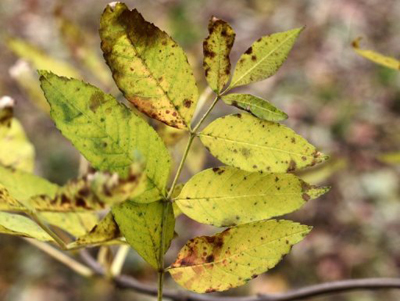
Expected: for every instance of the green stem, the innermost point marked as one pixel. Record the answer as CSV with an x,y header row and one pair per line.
x,y
193,134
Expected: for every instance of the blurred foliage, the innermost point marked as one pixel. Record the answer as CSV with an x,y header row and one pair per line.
x,y
335,98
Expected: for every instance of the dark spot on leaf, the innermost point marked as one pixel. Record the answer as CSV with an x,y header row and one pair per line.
x,y
253,58
249,51
187,103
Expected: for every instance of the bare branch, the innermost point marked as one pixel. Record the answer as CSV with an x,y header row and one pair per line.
x,y
308,292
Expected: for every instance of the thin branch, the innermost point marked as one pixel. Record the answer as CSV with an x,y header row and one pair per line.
x,y
119,260
61,257
308,292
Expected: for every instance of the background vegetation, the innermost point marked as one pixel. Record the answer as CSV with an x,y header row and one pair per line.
x,y
340,102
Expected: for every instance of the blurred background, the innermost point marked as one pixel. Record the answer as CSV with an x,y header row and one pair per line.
x,y
342,103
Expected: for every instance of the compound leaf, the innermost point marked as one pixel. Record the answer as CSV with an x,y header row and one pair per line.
x,y
226,196
141,224
18,225
264,57
251,144
376,57
148,66
259,107
235,256
106,132
216,48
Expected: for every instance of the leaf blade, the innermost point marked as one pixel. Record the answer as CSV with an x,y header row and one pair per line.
x,y
216,49
134,49
233,257
259,107
245,142
264,57
94,120
226,196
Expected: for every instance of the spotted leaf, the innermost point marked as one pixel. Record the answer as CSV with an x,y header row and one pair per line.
x,y
141,224
264,57
251,144
216,48
226,196
233,257
259,107
148,66
75,223
106,132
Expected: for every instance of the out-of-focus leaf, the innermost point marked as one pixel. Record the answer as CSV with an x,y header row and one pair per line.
x,y
171,136
75,223
39,59
323,172
82,49
216,48
376,57
15,149
28,81
19,225
106,132
141,224
264,57
259,107
390,158
233,257
148,66
104,232
226,196
251,144
22,185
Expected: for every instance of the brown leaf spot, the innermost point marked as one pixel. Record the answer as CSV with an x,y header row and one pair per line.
x,y
187,103
249,51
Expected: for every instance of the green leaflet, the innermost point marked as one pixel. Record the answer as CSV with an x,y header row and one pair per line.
x,y
226,196
251,144
75,223
376,57
19,225
106,132
141,225
390,158
216,48
105,231
259,107
39,59
15,149
235,256
148,66
264,57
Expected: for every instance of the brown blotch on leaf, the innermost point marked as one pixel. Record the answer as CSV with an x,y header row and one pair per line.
x,y
249,51
96,100
305,197
253,58
292,166
187,103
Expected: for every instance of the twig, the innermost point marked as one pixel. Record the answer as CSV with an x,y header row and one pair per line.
x,y
61,257
119,260
308,292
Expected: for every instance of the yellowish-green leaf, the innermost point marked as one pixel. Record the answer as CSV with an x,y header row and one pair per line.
x,y
390,158
39,59
106,132
176,192
18,225
82,49
148,66
216,48
259,107
141,224
15,149
75,223
22,185
8,202
264,57
104,232
324,171
226,196
251,144
376,57
27,79
233,257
